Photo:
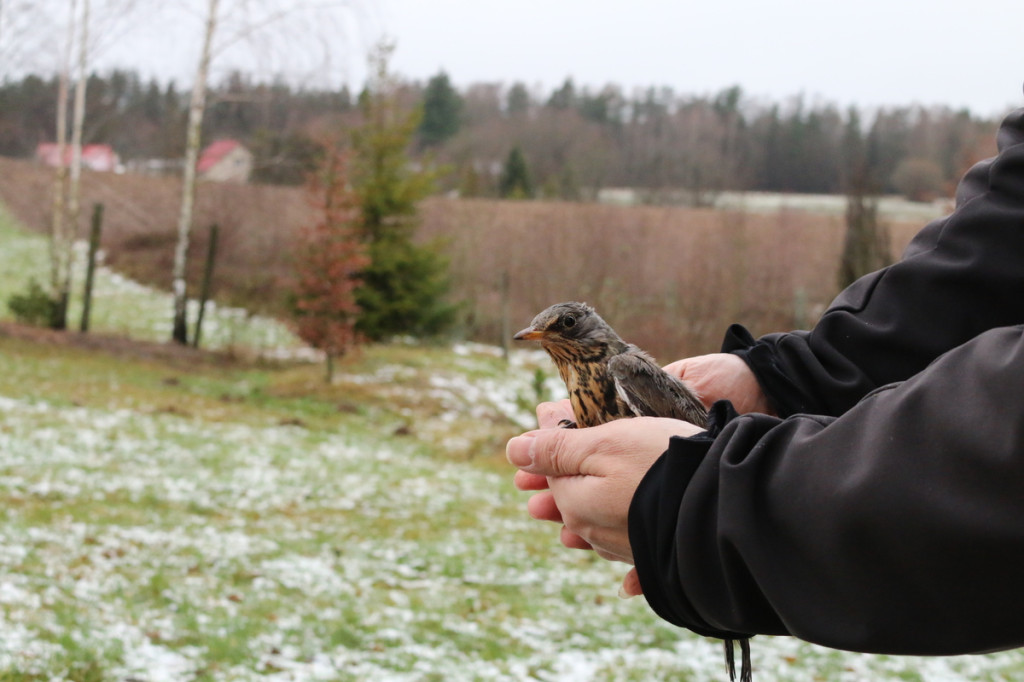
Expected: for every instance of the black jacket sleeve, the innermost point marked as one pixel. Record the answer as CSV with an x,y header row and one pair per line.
x,y
960,276
897,527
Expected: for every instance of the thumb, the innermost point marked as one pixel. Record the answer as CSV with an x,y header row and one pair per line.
x,y
550,452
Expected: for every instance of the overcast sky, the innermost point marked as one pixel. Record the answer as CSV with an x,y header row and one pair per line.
x,y
863,52
866,52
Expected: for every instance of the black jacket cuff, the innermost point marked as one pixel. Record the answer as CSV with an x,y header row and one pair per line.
x,y
652,525
783,395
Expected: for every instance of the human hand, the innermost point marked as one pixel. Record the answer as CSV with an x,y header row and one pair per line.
x,y
722,376
586,477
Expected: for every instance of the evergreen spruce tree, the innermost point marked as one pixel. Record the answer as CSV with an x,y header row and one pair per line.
x,y
565,97
515,180
442,108
518,101
404,286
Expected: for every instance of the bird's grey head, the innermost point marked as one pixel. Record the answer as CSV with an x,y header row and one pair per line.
x,y
570,324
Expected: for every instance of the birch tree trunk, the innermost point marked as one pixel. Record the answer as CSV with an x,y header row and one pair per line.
x,y
78,121
60,248
196,109
75,180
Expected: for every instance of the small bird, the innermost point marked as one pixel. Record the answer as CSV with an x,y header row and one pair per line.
x,y
610,379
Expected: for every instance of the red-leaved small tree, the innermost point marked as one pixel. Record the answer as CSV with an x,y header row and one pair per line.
x,y
328,259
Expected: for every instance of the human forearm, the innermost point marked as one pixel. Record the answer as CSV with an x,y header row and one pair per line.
x,y
894,528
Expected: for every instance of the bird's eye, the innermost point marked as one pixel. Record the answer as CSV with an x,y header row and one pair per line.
x,y
568,321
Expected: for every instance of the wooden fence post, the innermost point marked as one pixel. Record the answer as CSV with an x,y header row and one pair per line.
x,y
204,295
90,268
506,327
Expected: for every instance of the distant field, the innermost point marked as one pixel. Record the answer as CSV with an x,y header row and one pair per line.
x,y
889,207
208,518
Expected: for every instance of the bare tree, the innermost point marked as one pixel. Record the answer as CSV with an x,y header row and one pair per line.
x,y
21,41
246,24
68,176
65,206
61,234
195,123
75,174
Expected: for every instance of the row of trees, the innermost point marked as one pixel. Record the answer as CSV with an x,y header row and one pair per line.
x,y
571,142
688,148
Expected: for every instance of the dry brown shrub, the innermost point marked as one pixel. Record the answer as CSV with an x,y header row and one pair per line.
x,y
669,279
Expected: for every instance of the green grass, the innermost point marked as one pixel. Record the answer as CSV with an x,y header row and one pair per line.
x,y
242,520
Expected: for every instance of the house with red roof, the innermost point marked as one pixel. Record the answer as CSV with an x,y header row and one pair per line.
x,y
225,161
97,157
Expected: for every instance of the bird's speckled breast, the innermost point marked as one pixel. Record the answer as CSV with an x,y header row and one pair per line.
x,y
592,392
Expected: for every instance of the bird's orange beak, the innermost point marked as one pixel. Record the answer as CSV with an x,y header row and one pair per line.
x,y
528,334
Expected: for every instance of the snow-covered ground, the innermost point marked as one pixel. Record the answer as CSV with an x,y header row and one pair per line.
x,y
890,207
122,306
166,548
150,543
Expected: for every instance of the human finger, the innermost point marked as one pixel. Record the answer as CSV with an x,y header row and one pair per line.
x,y
524,480
573,541
631,585
542,506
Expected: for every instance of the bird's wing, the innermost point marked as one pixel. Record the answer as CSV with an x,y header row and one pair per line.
x,y
650,391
